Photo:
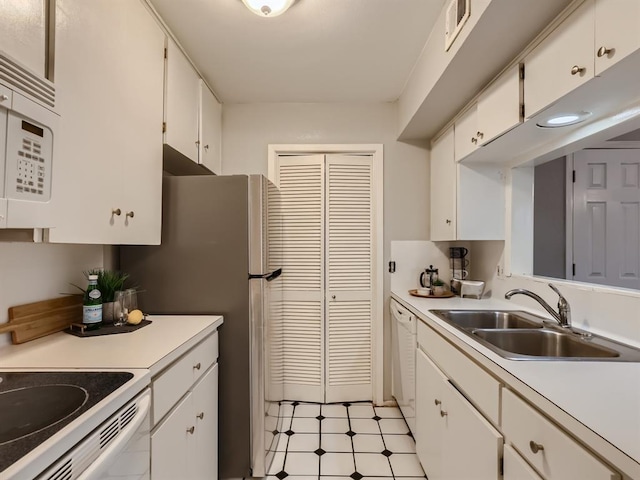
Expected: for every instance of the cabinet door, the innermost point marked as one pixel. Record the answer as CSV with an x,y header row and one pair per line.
x,y
210,130
171,443
515,468
109,95
466,133
617,31
204,455
430,427
443,188
23,31
549,67
472,447
480,202
142,157
182,101
499,107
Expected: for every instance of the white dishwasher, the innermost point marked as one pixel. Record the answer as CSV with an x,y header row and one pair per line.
x,y
403,351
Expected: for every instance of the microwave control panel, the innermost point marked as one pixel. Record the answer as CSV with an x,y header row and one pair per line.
x,y
28,159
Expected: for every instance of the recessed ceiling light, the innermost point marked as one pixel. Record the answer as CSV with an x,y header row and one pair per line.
x,y
268,8
563,119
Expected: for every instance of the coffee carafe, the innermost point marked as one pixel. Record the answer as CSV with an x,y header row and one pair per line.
x,y
428,276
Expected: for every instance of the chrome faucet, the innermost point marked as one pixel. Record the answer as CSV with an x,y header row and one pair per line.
x,y
562,316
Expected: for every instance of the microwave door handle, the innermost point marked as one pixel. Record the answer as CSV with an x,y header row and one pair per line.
x,y
267,276
106,457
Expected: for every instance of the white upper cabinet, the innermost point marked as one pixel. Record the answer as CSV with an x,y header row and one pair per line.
x,y
562,62
498,110
466,133
443,188
617,31
500,105
467,203
182,103
210,136
23,32
108,165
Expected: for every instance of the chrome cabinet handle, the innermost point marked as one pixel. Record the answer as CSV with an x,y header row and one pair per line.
x,y
474,140
197,366
3,98
437,402
602,51
575,70
130,214
535,447
206,147
200,415
443,413
191,430
333,297
448,221
116,211
197,143
480,135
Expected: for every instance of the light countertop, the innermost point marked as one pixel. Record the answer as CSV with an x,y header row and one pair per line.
x,y
152,347
602,396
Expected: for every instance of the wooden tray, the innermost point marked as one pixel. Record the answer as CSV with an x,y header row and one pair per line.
x,y
447,294
34,320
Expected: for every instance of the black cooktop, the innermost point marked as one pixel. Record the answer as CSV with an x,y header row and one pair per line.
x,y
36,405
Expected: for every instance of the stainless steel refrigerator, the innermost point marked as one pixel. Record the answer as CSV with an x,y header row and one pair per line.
x,y
214,259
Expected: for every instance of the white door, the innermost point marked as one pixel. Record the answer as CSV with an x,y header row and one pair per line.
x,y
327,288
606,217
301,253
349,275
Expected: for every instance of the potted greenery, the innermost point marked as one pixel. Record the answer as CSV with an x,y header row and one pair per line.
x,y
109,282
438,287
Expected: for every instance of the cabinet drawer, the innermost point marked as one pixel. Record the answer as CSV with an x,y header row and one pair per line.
x,y
480,387
558,456
176,380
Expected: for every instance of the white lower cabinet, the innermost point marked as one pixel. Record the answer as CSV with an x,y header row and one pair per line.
x,y
460,406
547,448
453,440
184,442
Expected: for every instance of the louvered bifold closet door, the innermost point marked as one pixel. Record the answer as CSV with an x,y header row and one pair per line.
x,y
299,250
349,273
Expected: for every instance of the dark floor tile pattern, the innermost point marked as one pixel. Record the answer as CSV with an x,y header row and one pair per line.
x,y
373,442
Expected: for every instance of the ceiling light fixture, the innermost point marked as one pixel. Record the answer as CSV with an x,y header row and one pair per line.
x,y
268,8
564,119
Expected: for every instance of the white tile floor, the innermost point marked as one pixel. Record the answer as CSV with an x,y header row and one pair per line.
x,y
351,441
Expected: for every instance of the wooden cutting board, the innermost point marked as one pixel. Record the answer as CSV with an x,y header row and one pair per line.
x,y
35,320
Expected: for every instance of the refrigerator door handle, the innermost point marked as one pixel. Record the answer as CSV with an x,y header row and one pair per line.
x,y
267,276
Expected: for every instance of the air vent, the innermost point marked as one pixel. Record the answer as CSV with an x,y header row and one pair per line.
x,y
65,472
76,461
128,415
108,433
23,80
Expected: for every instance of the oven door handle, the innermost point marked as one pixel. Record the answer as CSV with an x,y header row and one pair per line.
x,y
107,456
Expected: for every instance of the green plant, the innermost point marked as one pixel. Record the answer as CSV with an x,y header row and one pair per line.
x,y
109,282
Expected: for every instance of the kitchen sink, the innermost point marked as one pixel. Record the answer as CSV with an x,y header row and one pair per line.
x,y
544,343
490,319
518,335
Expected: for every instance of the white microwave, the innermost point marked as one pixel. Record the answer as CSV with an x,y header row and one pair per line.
x,y
28,126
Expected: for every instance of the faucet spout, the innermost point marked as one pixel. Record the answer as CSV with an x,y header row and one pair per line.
x,y
562,316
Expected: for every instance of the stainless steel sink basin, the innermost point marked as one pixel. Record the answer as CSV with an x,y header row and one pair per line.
x,y
502,319
544,343
518,335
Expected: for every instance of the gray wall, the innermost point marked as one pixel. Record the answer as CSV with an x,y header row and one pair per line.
x,y
549,219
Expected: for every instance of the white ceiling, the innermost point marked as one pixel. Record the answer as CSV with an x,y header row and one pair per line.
x,y
318,51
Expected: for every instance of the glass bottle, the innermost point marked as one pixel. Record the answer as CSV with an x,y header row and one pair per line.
x,y
92,305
